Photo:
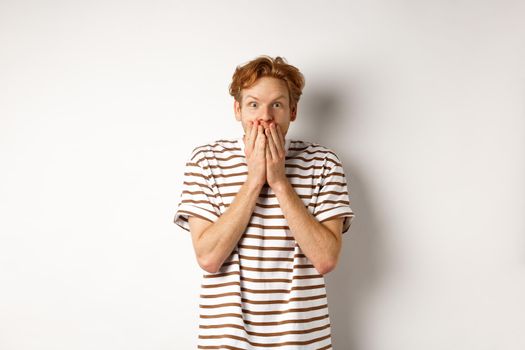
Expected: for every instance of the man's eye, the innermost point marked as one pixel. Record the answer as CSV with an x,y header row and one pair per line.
x,y
252,104
277,104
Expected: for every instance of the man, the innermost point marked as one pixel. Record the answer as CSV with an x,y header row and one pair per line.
x,y
266,216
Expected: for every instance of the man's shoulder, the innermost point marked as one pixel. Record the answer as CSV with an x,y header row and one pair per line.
x,y
302,147
215,147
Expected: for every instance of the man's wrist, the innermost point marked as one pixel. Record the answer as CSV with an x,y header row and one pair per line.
x,y
253,186
281,187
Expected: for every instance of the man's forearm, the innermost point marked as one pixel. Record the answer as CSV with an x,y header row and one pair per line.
x,y
317,242
217,242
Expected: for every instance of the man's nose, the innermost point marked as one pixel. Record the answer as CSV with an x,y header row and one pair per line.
x,y
266,117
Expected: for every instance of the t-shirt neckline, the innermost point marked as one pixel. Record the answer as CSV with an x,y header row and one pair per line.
x,y
240,141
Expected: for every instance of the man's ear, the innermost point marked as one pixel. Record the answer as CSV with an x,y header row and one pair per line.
x,y
293,113
237,110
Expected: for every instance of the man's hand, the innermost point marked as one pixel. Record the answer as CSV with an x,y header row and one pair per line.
x,y
275,157
255,144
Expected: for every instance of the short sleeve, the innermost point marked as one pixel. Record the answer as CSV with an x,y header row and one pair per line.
x,y
197,197
332,199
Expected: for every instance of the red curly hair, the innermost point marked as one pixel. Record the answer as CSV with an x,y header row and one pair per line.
x,y
266,66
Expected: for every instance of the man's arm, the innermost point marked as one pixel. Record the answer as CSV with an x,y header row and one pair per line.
x,y
320,242
214,242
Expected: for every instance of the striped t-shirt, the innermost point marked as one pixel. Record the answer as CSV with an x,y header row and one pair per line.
x,y
267,294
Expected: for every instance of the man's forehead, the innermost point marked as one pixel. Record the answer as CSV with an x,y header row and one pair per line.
x,y
277,97
257,94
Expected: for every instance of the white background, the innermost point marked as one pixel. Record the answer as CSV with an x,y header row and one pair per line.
x,y
101,103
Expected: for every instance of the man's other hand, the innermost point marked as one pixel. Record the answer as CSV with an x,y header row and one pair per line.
x,y
255,145
275,156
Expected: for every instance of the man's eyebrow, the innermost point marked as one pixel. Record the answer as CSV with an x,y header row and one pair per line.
x,y
277,98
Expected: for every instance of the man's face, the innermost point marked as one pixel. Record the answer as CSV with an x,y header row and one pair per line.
x,y
266,101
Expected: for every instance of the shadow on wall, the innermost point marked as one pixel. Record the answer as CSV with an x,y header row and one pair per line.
x,y
322,112
326,118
